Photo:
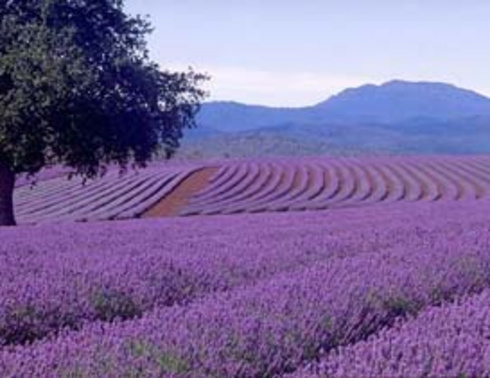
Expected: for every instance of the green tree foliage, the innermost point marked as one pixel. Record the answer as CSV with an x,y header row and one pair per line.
x,y
77,87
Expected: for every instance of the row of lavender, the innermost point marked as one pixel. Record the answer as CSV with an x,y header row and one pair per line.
x,y
113,196
256,186
52,279
333,284
447,341
319,183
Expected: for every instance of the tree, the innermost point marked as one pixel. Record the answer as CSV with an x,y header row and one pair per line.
x,y
77,88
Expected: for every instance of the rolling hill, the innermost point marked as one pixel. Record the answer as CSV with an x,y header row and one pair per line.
x,y
255,185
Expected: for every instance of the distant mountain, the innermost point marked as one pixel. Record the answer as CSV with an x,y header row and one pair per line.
x,y
398,101
397,117
392,102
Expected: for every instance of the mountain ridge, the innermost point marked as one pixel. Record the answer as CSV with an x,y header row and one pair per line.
x,y
390,102
397,117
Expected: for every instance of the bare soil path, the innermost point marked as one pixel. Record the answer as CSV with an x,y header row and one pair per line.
x,y
175,201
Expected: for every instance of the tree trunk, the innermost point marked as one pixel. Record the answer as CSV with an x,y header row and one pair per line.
x,y
7,183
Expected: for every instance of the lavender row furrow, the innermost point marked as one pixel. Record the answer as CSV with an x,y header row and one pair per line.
x,y
236,194
45,189
329,187
379,185
108,208
361,183
430,190
284,186
303,186
276,185
73,194
466,188
238,175
452,186
472,176
239,203
317,186
137,205
73,206
335,187
269,188
222,175
299,185
411,186
112,196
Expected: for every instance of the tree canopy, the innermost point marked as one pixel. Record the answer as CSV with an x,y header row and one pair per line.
x,y
77,87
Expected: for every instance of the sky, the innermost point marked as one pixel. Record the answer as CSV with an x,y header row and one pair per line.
x,y
300,52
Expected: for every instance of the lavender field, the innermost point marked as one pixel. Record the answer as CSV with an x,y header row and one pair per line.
x,y
385,271
256,185
244,189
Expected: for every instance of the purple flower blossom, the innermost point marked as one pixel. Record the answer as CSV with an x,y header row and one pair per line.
x,y
269,292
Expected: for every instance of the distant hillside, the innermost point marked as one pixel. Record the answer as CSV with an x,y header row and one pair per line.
x,y
464,136
397,117
201,132
395,101
233,116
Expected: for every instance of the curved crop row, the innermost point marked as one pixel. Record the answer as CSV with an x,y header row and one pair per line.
x,y
251,186
312,184
111,197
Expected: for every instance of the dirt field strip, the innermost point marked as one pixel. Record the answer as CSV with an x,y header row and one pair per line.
x,y
176,200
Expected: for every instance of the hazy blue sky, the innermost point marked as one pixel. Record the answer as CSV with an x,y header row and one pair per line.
x,y
293,52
